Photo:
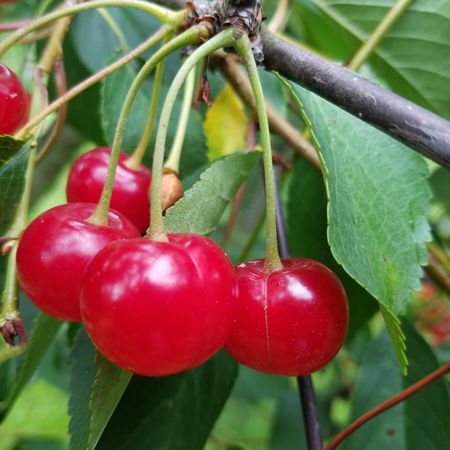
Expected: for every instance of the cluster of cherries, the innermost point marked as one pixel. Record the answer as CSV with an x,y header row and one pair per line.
x,y
158,308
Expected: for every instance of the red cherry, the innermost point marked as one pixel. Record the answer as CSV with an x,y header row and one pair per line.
x,y
13,102
54,251
130,193
292,322
157,308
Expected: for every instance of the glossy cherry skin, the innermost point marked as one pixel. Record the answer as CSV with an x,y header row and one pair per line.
x,y
13,102
157,308
130,193
55,250
292,322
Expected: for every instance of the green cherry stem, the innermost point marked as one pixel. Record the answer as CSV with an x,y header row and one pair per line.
x,y
173,161
190,37
28,128
226,38
134,161
170,18
272,261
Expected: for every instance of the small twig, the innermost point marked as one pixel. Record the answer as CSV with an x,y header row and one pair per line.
x,y
278,124
10,26
38,36
369,46
416,387
439,254
438,276
305,386
280,17
61,88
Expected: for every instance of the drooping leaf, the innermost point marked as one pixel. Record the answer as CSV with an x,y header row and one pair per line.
x,y
14,160
200,209
114,92
377,228
412,56
226,124
43,334
175,412
420,421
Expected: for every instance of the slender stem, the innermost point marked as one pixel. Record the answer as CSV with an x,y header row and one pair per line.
x,y
173,162
115,28
272,261
11,290
279,19
170,18
439,254
160,34
367,48
134,161
189,37
395,400
224,39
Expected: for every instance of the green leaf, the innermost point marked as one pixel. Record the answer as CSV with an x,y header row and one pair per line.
x,y
200,209
109,385
44,333
114,92
171,413
412,56
377,202
13,166
419,422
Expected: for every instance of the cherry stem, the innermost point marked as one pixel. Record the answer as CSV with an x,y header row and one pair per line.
x,y
272,261
189,37
395,400
368,47
160,34
134,161
173,161
226,38
170,18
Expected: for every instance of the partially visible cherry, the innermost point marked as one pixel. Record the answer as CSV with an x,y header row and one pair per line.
x,y
130,193
157,308
54,251
292,322
13,102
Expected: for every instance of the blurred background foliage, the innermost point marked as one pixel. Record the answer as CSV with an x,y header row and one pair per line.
x,y
263,411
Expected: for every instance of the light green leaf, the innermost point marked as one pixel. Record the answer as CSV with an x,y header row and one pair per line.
x,y
200,209
378,199
413,55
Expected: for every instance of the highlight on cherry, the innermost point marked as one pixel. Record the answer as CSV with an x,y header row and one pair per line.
x,y
216,226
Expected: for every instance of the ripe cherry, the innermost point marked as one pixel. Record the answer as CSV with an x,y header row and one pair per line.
x,y
54,251
291,322
130,193
157,308
13,102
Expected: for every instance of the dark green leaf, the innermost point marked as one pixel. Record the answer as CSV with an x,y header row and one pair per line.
x,y
418,423
412,56
14,160
171,413
200,209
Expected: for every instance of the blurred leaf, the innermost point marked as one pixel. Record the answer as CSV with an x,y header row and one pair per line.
x,y
114,92
109,385
42,336
306,223
376,231
412,56
200,209
226,125
419,422
14,160
176,412
440,186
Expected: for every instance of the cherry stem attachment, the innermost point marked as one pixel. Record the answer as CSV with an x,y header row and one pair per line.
x,y
189,37
395,400
78,89
226,38
171,19
272,261
368,47
173,161
134,161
